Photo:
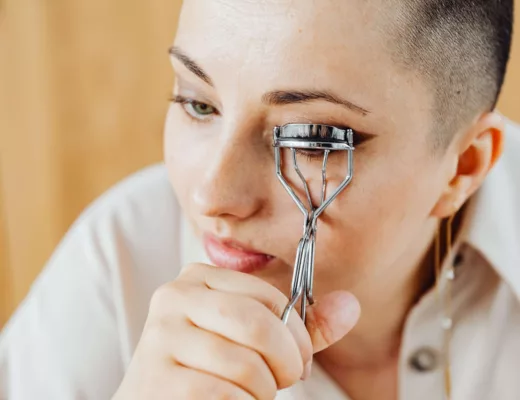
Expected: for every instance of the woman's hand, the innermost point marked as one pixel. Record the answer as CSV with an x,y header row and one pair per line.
x,y
217,334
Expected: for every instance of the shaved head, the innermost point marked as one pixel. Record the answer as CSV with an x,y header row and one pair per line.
x,y
461,48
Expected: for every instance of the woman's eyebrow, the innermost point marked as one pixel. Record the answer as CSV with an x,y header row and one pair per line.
x,y
277,97
281,97
190,64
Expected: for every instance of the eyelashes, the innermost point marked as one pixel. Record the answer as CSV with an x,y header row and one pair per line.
x,y
202,112
196,110
313,155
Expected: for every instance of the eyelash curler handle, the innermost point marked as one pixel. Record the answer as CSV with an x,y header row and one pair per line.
x,y
309,136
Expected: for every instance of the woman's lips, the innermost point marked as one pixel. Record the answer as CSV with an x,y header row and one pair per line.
x,y
232,255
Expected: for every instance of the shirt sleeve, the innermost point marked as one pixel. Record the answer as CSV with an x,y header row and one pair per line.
x,y
63,341
75,333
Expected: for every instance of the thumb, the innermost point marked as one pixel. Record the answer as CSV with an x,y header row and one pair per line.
x,y
331,318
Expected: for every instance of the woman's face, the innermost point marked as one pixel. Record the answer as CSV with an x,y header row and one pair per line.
x,y
219,152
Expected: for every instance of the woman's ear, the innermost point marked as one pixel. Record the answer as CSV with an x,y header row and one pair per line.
x,y
477,152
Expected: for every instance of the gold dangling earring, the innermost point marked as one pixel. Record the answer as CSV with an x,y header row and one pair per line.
x,y
448,308
437,261
446,320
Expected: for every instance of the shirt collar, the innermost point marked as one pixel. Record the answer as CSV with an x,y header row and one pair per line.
x,y
492,226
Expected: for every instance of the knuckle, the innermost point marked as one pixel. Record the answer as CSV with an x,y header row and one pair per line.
x,y
192,391
195,269
270,393
227,395
162,295
259,329
290,376
189,384
259,325
297,371
166,306
192,267
290,372
254,372
169,295
213,349
248,372
219,390
156,330
265,330
190,388
276,308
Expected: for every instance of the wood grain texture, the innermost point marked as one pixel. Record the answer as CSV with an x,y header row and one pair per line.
x,y
5,292
509,103
83,97
82,103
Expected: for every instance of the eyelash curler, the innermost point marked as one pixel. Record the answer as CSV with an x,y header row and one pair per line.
x,y
309,137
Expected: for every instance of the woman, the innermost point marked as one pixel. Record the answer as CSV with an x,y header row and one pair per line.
x,y
129,307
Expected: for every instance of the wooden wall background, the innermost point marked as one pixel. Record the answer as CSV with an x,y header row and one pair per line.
x,y
83,90
83,95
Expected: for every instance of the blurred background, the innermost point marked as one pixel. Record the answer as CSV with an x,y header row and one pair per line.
x,y
83,96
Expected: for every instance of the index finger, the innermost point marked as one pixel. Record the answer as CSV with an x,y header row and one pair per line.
x,y
248,285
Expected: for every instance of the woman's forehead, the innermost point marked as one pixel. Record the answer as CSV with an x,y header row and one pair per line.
x,y
305,25
291,40
326,44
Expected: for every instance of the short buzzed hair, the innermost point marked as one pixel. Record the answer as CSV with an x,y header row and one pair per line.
x,y
462,48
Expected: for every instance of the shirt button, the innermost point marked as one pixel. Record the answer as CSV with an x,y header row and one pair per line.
x,y
424,360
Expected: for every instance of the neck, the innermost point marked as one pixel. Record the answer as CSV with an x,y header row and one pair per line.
x,y
375,341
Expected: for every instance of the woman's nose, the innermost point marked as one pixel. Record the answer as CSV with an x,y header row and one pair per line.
x,y
234,183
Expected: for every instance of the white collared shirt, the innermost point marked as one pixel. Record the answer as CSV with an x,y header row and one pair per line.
x,y
75,333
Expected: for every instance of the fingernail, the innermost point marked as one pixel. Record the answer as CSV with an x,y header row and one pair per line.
x,y
347,314
307,371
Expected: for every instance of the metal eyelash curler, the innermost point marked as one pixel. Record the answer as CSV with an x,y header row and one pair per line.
x,y
309,137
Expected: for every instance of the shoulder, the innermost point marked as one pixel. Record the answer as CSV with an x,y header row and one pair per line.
x,y
140,213
505,179
503,182
86,310
512,145
507,171
132,235
495,229
143,195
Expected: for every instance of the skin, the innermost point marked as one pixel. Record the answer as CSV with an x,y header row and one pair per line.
x,y
374,238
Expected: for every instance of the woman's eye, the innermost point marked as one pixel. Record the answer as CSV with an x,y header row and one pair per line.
x,y
310,154
317,155
196,109
200,108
